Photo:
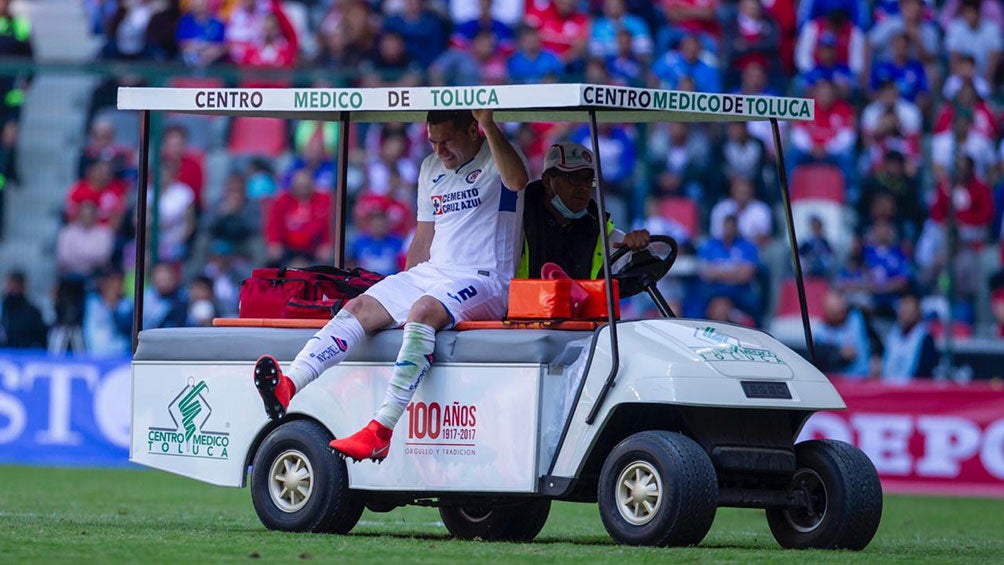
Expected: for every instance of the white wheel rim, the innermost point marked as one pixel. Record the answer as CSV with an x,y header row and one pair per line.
x,y
805,520
639,493
290,481
475,514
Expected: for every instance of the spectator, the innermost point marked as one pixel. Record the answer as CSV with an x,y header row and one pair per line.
x,y
924,36
727,266
752,37
835,27
891,123
909,348
686,62
376,249
200,35
532,63
502,35
277,46
856,10
965,139
392,66
298,222
107,323
128,29
564,31
698,18
887,266
852,278
83,245
892,179
990,10
245,28
753,217
509,12
317,162
100,188
743,155
842,340
177,215
226,268
261,181
815,252
175,152
201,303
479,63
234,220
680,160
391,158
828,67
164,302
424,33
15,41
721,309
21,323
963,69
603,40
973,209
161,32
784,13
347,35
905,72
101,146
976,36
625,67
829,138
966,100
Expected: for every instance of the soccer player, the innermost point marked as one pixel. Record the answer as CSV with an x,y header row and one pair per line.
x,y
458,268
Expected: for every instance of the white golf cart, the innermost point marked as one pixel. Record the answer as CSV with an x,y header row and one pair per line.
x,y
658,421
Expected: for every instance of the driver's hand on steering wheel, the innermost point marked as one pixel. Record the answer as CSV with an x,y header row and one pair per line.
x,y
635,240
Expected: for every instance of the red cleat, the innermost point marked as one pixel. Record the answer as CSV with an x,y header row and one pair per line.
x,y
275,389
371,442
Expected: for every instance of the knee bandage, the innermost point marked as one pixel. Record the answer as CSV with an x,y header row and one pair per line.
x,y
413,363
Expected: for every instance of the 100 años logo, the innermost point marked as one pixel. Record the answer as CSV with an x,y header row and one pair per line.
x,y
189,437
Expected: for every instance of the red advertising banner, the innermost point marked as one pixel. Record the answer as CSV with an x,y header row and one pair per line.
x,y
933,438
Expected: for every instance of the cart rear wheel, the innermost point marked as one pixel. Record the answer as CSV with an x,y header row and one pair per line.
x,y
842,494
658,488
297,485
497,521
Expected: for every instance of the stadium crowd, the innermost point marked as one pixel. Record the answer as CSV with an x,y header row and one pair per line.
x,y
906,149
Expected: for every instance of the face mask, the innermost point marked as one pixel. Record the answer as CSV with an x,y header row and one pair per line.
x,y
564,211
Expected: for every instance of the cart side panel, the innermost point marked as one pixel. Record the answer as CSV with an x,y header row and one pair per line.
x,y
195,419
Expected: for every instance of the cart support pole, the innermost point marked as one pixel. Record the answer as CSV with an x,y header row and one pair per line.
x,y
339,200
138,284
782,175
614,353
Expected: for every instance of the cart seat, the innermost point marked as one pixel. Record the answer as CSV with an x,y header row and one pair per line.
x,y
452,346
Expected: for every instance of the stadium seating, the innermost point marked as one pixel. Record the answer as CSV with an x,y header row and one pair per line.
x,y
818,182
683,211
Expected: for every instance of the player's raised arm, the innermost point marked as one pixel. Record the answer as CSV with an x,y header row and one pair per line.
x,y
511,166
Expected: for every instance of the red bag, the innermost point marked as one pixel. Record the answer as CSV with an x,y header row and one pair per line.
x,y
312,293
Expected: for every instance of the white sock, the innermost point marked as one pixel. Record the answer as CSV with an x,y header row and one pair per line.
x,y
328,346
413,362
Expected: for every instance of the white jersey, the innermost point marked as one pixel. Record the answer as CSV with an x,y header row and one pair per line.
x,y
477,219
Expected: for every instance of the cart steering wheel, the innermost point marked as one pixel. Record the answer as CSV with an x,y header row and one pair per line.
x,y
644,270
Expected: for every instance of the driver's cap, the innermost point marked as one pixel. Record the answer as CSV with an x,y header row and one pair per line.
x,y
568,156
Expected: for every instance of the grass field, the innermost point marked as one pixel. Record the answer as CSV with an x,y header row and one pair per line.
x,y
112,516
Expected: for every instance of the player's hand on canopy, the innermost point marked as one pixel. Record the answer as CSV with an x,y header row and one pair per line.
x,y
484,116
635,240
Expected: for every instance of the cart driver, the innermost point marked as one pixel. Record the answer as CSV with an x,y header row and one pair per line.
x,y
560,218
458,268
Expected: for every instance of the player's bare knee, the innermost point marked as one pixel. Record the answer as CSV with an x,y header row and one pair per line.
x,y
428,310
369,312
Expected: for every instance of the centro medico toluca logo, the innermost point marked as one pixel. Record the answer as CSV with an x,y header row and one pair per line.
x,y
189,436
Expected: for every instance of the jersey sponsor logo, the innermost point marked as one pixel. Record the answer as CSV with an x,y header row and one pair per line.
x,y
464,294
455,201
473,176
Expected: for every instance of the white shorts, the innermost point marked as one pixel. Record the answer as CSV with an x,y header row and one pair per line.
x,y
466,295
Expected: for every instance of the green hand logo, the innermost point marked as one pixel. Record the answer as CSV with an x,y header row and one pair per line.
x,y
190,407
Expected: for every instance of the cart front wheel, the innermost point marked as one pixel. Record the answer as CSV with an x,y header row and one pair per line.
x,y
840,495
658,488
297,485
496,521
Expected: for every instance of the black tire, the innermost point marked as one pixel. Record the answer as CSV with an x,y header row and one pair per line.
x,y
329,505
499,521
684,509
846,499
